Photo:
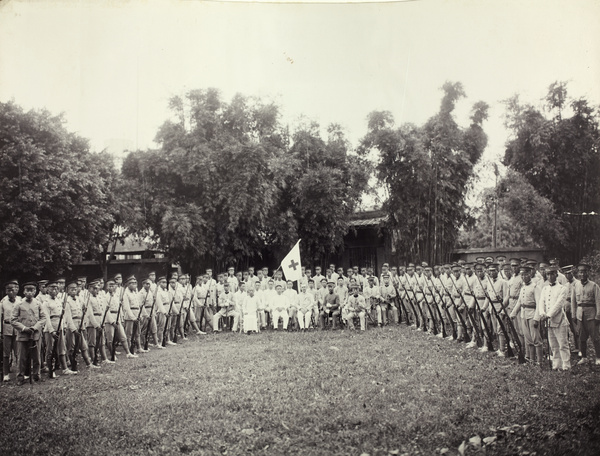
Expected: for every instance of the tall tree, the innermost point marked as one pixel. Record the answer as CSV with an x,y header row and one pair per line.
x,y
557,150
525,218
55,199
426,171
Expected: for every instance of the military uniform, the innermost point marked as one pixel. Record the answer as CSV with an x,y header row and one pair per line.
x,y
28,318
551,306
585,305
527,307
9,334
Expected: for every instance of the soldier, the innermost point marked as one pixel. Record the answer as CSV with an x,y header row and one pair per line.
x,y
569,285
9,334
132,314
497,290
226,309
371,294
480,310
356,306
148,309
331,307
162,307
201,303
232,279
94,316
42,295
527,306
585,305
28,318
52,334
387,295
176,298
458,287
514,290
76,319
152,279
113,328
561,277
551,307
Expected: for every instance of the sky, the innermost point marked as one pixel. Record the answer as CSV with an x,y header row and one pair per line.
x,y
111,67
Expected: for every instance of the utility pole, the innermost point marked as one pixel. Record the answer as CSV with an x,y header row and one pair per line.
x,y
495,226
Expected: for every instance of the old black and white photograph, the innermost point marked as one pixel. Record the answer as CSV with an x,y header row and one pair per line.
x,y
359,228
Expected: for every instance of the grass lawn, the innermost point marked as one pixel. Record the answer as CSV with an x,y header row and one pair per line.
x,y
386,391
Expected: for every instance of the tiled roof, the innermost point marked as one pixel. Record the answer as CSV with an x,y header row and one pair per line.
x,y
376,221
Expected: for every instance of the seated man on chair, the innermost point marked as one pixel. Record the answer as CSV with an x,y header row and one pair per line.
x,y
330,306
279,307
226,309
355,307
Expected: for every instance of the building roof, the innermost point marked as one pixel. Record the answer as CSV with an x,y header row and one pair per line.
x,y
132,245
368,218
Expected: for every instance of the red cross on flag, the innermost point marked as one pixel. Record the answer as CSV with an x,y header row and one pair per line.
x,y
292,269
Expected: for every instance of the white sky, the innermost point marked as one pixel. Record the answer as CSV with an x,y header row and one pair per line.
x,y
111,67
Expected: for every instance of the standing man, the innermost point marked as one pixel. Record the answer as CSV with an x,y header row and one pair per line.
x,y
29,318
527,307
131,312
585,305
551,307
387,294
9,334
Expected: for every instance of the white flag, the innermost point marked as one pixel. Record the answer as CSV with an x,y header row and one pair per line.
x,y
291,265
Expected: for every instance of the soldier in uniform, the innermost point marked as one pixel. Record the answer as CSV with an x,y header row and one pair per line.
x,y
75,317
331,307
52,334
458,287
527,307
148,309
131,314
551,308
162,307
585,305
94,316
28,318
226,309
497,290
9,334
176,298
113,328
356,306
387,296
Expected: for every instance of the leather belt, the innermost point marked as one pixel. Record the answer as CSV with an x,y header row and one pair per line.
x,y
134,308
114,311
528,306
479,297
97,315
147,307
586,305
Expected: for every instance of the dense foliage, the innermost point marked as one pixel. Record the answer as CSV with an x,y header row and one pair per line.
x,y
229,182
56,203
426,171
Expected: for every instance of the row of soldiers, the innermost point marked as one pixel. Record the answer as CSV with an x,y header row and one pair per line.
x,y
512,305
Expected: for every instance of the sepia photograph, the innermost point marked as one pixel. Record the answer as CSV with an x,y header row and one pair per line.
x,y
360,228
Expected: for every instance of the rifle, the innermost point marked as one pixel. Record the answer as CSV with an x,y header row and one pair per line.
x,y
165,335
149,318
458,314
488,331
56,341
572,326
418,307
435,328
136,323
187,315
469,316
113,348
400,305
434,290
512,329
500,322
178,322
446,311
99,335
417,322
78,335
